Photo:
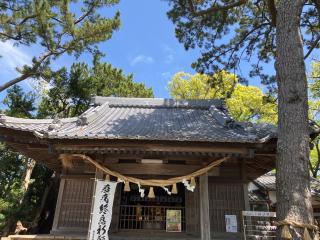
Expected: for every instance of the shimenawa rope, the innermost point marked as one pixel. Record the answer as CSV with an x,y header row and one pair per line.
x,y
285,233
66,159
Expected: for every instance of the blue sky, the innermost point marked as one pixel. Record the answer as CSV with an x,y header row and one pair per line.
x,y
145,45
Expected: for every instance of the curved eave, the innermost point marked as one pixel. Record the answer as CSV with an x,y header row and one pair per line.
x,y
46,150
38,136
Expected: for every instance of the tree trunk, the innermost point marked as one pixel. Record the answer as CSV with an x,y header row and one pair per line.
x,y
27,176
37,218
11,221
293,185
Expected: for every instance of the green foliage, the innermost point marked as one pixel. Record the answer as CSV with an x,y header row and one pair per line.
x,y
14,204
249,103
57,28
71,92
19,104
315,80
314,111
201,86
40,178
232,32
14,201
245,103
12,168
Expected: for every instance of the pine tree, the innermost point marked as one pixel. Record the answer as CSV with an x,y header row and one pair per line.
x,y
259,32
20,189
71,92
56,28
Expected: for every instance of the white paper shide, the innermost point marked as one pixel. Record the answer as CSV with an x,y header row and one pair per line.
x,y
102,210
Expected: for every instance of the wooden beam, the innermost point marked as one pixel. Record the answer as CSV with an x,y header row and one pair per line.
x,y
155,169
134,148
204,208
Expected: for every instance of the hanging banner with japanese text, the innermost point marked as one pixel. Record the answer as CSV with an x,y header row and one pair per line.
x,y
102,210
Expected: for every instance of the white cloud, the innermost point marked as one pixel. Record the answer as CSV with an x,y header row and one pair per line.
x,y
12,57
141,59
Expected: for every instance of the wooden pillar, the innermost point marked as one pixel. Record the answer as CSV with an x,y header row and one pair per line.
x,y
99,174
245,184
204,207
58,206
246,206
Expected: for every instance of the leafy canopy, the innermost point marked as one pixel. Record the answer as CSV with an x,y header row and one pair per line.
x,y
14,201
245,103
18,103
232,32
57,27
71,92
314,111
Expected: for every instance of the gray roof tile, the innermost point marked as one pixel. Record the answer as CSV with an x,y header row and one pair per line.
x,y
149,119
268,182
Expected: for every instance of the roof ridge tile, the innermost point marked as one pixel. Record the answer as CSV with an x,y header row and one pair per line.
x,y
157,102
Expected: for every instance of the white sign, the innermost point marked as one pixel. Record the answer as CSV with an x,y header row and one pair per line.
x,y
258,214
102,210
231,223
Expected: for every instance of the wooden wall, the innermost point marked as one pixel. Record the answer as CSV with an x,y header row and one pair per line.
x,y
192,205
76,197
225,199
73,205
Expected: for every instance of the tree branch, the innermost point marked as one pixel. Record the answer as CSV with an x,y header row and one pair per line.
x,y
17,38
315,43
273,12
311,168
313,46
57,19
316,169
33,72
15,80
317,3
214,8
93,5
27,18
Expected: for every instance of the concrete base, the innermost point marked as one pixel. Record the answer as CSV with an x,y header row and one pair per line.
x,y
145,235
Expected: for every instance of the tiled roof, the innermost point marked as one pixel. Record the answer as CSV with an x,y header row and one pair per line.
x,y
256,196
268,182
148,119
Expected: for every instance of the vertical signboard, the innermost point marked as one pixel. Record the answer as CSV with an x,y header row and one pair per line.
x,y
102,210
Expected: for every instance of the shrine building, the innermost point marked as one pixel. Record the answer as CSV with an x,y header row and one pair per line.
x,y
149,139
